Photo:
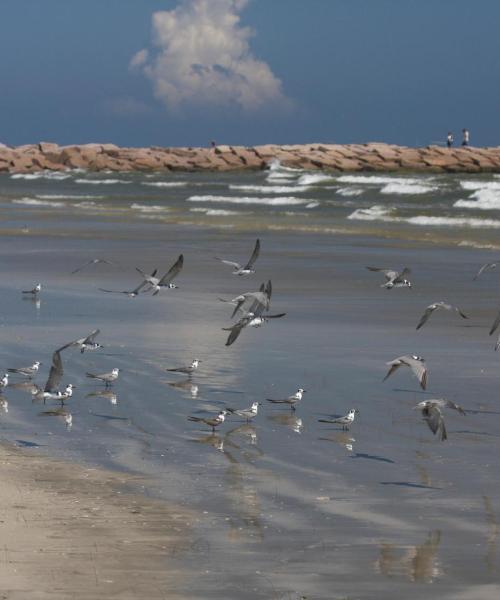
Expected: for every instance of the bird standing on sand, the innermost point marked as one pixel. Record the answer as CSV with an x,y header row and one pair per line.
x,y
345,421
4,382
248,268
431,411
27,371
416,364
247,413
187,370
394,278
35,290
106,378
212,422
436,306
291,400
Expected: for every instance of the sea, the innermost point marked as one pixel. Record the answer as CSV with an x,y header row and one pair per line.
x,y
285,507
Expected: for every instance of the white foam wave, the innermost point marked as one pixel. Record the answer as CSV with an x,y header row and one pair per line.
x,y
381,180
275,165
279,176
165,184
407,188
271,189
102,181
350,191
55,175
68,197
374,213
36,202
480,185
215,212
313,178
278,201
312,204
484,199
148,207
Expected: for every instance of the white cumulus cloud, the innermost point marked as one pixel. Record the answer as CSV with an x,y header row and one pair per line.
x,y
202,57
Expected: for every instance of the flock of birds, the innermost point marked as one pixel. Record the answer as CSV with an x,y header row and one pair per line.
x,y
251,310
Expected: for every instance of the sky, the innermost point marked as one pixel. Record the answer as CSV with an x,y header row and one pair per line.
x,y
247,72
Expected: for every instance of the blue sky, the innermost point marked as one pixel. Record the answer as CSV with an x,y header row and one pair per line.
x,y
249,71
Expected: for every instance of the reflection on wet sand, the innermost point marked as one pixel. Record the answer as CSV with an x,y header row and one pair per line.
x,y
291,421
343,438
35,301
106,394
491,540
61,413
185,386
4,404
417,563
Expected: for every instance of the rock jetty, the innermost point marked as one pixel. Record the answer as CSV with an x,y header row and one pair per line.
x,y
336,157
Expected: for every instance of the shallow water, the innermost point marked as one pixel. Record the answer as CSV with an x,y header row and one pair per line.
x,y
287,507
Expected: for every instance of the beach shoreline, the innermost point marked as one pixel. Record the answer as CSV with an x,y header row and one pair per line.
x,y
373,156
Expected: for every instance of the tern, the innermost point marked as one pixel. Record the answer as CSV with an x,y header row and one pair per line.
x,y
240,269
156,283
394,278
345,421
85,343
494,327
4,382
291,400
187,370
485,267
416,364
94,261
212,422
432,413
35,290
107,378
27,371
51,390
435,306
263,297
247,413
131,293
249,320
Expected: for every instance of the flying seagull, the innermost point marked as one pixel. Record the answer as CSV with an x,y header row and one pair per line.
x,y
345,421
187,370
394,278
106,378
494,327
263,296
131,293
485,267
94,261
248,268
435,306
85,343
35,290
247,413
212,422
51,390
291,400
416,364
27,371
432,413
156,283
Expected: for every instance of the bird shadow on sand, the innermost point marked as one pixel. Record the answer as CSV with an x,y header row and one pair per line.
x,y
373,457
408,484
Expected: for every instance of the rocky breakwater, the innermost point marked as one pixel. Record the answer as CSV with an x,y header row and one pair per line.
x,y
348,157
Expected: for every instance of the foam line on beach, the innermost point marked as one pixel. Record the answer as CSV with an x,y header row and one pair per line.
x,y
278,201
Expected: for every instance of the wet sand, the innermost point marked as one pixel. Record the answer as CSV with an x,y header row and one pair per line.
x,y
70,531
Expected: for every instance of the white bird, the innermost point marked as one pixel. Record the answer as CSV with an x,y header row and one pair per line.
x,y
187,370
4,382
107,378
212,422
156,283
394,278
345,421
414,362
246,413
85,343
291,400
27,371
246,269
35,290
436,306
94,261
431,411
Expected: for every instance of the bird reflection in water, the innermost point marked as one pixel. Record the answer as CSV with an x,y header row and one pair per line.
x,y
4,404
185,386
491,519
61,413
416,563
343,438
291,421
35,300
106,394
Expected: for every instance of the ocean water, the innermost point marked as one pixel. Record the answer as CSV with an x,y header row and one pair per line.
x,y
285,507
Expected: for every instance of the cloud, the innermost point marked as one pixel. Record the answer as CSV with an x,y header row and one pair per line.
x,y
202,57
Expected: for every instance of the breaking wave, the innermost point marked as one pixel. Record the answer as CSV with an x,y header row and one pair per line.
x,y
215,212
483,199
314,178
271,189
278,201
54,175
350,191
36,202
102,181
148,207
165,184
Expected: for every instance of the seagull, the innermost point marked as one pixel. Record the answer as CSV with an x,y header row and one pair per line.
x,y
107,378
187,370
85,343
431,411
435,306
35,290
51,390
249,320
212,422
27,371
131,293
291,400
156,283
485,267
4,382
94,261
416,364
247,269
261,297
345,421
246,413
394,278
494,327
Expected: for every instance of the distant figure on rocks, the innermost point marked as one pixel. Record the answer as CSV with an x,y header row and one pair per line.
x,y
465,138
449,139
212,145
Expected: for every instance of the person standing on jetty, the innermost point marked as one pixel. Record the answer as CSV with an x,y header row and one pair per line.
x,y
465,138
449,139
